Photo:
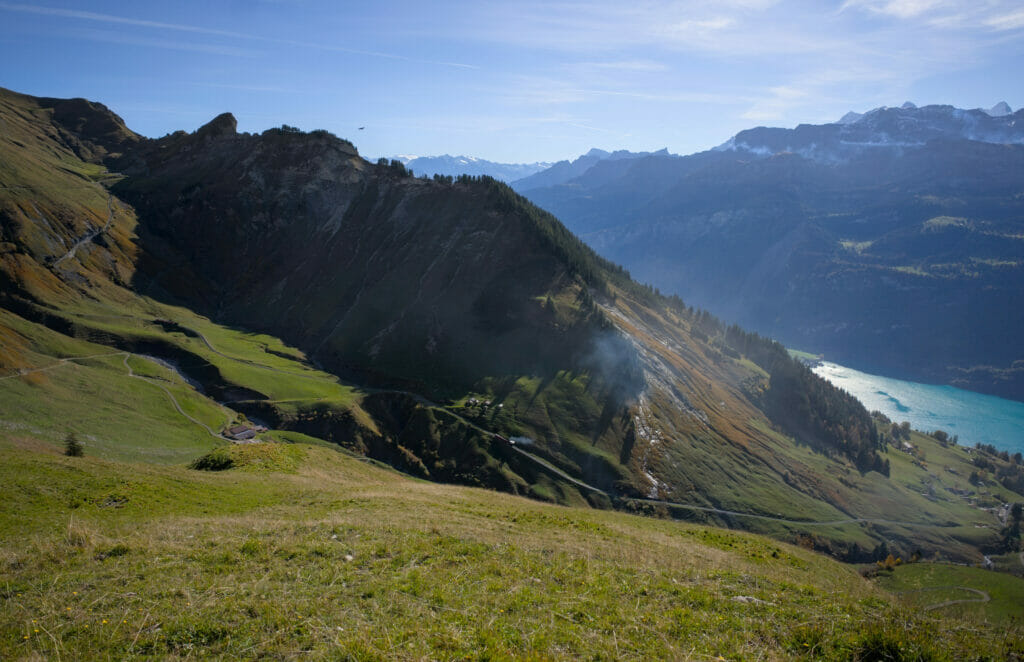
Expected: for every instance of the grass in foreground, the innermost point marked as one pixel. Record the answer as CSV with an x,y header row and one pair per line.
x,y
343,560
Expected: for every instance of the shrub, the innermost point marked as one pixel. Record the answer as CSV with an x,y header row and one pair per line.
x,y
218,459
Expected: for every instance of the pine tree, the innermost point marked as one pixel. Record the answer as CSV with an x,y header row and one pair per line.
x,y
73,447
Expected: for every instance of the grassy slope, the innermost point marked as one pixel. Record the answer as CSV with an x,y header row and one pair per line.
x,y
342,559
113,414
98,400
757,469
924,585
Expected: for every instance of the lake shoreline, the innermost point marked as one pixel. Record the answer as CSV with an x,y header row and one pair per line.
x,y
973,417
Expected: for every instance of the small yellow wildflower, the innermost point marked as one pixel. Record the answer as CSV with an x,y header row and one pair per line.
x,y
104,621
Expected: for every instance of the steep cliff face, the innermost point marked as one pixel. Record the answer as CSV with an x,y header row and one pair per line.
x,y
378,274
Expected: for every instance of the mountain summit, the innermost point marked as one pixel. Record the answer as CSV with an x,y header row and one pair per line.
x,y
882,128
1001,109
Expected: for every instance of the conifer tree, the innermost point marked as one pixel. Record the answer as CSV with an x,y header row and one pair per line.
x,y
73,447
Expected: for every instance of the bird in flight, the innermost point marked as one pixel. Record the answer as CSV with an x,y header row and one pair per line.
x,y
361,128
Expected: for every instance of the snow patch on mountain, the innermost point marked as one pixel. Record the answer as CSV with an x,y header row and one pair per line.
x,y
886,127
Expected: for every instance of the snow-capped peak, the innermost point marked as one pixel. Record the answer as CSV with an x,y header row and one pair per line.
x,y
1001,109
892,128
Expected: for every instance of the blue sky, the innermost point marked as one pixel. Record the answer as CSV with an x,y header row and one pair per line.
x,y
513,81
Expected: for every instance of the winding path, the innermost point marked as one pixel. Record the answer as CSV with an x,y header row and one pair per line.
x,y
58,364
167,392
89,236
982,598
131,373
721,511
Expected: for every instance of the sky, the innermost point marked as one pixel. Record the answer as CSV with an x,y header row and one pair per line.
x,y
513,81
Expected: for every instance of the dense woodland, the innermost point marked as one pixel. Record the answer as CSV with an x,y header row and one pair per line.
x,y
808,407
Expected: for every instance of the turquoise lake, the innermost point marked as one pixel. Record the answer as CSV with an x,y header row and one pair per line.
x,y
974,417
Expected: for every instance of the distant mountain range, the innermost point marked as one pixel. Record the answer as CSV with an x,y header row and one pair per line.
x,y
563,171
892,240
468,165
522,176
906,126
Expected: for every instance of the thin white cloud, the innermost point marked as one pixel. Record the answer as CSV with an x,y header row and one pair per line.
x,y
947,14
671,97
827,93
625,65
355,51
898,8
109,18
776,104
108,37
213,49
242,87
593,129
1011,21
540,91
700,28
729,27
